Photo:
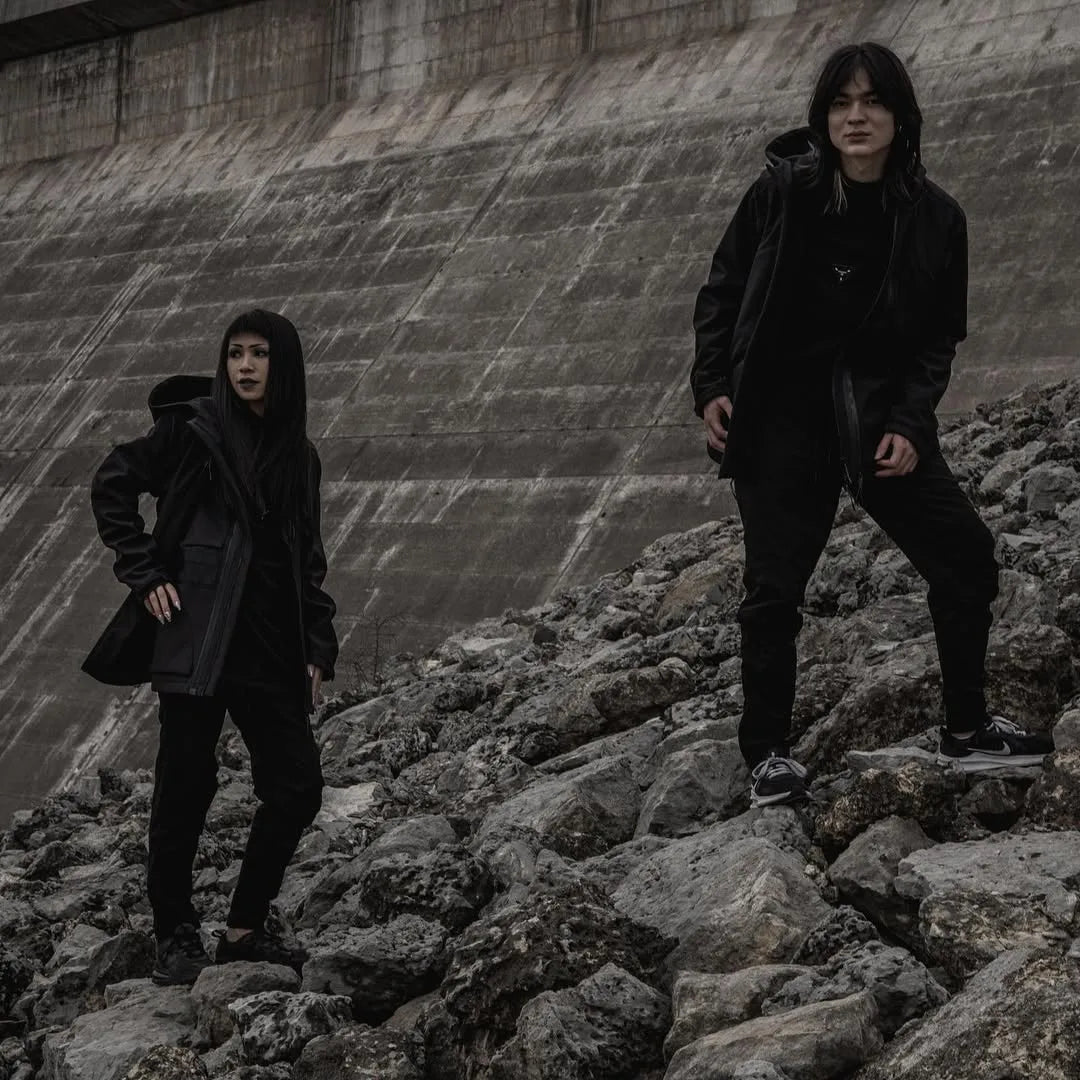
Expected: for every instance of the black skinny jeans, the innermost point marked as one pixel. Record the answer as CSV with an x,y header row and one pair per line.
x,y
288,783
787,512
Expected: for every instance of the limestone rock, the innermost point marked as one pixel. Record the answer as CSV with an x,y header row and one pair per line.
x,y
729,903
380,967
410,838
580,813
1015,1018
628,697
1030,674
902,987
842,926
705,782
448,885
865,871
1054,799
1067,730
925,794
274,1026
359,1052
816,1042
104,1045
704,1003
219,985
168,1063
609,1026
981,898
549,943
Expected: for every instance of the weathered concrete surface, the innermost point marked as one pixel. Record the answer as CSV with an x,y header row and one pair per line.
x,y
493,275
28,27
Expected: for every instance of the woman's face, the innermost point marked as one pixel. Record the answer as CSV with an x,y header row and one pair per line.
x,y
861,129
248,364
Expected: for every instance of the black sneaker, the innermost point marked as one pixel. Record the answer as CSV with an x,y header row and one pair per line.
x,y
259,947
998,742
180,957
776,780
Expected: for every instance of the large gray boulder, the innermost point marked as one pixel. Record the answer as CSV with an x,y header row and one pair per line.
x,y
981,898
378,967
902,987
865,871
409,839
816,1042
104,1045
924,793
579,813
549,942
221,984
729,902
704,1002
1016,1018
359,1052
607,1027
702,783
169,1063
275,1026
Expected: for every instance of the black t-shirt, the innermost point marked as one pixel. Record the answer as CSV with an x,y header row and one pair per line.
x,y
845,257
266,650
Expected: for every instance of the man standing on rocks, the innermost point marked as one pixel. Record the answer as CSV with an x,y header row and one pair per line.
x,y
824,341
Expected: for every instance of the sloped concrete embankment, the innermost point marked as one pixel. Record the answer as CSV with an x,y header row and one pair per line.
x,y
492,254
535,856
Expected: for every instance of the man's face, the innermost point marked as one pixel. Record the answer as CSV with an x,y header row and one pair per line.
x,y
860,127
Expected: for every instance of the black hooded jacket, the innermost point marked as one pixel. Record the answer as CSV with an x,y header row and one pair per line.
x,y
889,380
199,544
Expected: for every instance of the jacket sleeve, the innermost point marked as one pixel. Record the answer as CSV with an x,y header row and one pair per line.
x,y
720,298
926,376
319,609
144,465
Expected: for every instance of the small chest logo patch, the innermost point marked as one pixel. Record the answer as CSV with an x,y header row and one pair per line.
x,y
842,272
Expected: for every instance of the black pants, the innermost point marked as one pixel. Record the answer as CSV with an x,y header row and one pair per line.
x,y
288,783
787,512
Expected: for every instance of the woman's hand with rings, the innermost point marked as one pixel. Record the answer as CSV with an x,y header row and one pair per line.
x,y
161,601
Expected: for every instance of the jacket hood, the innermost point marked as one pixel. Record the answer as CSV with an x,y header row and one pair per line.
x,y
796,155
178,392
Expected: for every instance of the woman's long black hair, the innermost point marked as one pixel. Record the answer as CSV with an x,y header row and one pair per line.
x,y
892,84
270,453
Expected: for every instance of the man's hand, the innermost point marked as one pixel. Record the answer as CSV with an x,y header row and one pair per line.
x,y
895,456
315,674
717,417
161,601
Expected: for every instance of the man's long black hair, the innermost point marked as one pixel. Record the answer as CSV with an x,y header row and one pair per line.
x,y
892,84
270,454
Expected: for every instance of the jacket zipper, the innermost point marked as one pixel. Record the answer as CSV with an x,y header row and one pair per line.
x,y
212,655
211,659
844,404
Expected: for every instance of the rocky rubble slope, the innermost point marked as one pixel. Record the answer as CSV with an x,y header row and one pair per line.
x,y
536,859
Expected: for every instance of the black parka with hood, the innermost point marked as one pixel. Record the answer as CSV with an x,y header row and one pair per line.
x,y
199,544
742,315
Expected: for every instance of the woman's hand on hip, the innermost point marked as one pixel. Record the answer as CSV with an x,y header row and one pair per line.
x,y
161,601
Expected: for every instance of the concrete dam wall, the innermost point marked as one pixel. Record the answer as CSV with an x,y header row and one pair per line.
x,y
489,220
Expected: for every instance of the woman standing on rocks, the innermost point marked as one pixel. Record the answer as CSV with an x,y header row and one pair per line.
x,y
824,341
232,577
